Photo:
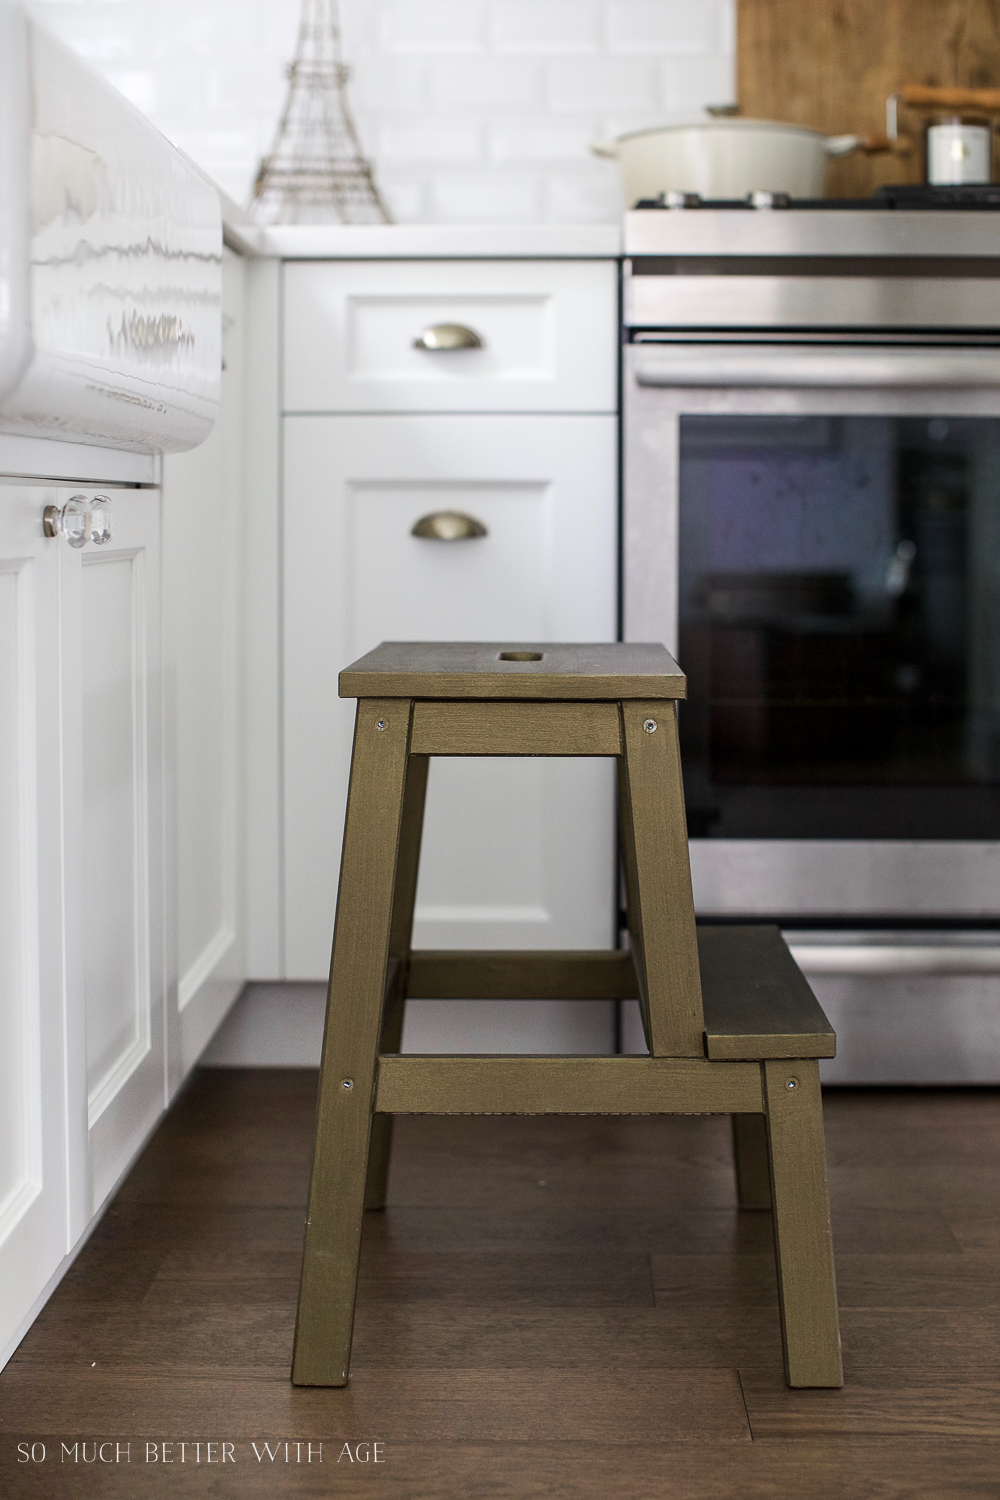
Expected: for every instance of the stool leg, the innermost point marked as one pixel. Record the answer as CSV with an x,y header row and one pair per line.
x,y
658,880
753,1174
631,879
350,1044
803,1244
401,937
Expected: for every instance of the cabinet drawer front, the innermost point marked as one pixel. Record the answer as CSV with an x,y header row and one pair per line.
x,y
547,334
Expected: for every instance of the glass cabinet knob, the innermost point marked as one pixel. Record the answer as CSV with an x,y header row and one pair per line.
x,y
80,520
71,520
100,520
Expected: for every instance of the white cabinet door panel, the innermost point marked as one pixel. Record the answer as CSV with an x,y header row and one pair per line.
x,y
203,524
33,1226
517,853
121,889
548,335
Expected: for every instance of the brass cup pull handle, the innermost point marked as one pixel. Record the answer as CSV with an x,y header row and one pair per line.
x,y
448,526
443,338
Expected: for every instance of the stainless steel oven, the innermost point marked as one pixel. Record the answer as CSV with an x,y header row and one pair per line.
x,y
812,522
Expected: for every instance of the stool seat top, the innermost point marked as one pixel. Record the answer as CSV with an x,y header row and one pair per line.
x,y
498,669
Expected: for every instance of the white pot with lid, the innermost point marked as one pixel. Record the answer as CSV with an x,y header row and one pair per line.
x,y
727,158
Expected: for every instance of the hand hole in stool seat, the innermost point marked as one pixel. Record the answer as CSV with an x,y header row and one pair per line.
x,y
520,656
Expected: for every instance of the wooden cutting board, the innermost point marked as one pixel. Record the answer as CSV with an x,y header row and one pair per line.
x,y
831,64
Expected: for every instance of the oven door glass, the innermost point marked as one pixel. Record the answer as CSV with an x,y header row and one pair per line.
x,y
839,613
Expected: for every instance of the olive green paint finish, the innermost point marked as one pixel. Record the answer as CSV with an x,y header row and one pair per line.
x,y
423,1085
658,880
475,974
474,669
351,1043
803,1242
753,1172
554,700
523,728
756,999
400,940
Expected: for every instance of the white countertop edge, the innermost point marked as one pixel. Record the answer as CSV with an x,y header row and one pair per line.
x,y
422,241
74,463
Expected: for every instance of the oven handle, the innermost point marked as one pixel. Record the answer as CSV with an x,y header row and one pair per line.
x,y
684,365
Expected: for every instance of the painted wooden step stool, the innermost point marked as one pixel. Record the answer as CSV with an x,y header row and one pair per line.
x,y
731,1025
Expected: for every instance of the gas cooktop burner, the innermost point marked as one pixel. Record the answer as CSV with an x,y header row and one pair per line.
x,y
975,196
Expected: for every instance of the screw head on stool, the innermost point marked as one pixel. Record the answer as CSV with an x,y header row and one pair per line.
x,y
792,1083
347,1083
649,725
381,723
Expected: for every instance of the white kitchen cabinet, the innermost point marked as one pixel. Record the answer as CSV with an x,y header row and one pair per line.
x,y
111,606
517,853
203,541
82,995
120,914
547,336
110,267
33,1207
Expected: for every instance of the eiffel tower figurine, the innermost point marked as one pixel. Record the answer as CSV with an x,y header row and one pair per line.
x,y
315,172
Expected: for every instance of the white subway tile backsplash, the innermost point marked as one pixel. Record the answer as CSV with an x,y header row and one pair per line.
x,y
475,83
446,26
405,195
427,140
552,27
542,140
384,86
625,122
487,198
583,197
662,26
602,83
727,29
689,84
482,110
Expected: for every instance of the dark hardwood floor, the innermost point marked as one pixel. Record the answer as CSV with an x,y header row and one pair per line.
x,y
548,1307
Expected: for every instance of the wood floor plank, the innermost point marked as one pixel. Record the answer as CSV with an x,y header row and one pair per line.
x,y
746,1280
551,1279
257,1339
881,1231
666,1228
977,1232
865,1469
922,1402
937,1185
507,1344
413,1336
507,1163
912,1281
956,1339
194,1338
233,1138
918,1281
560,1226
559,1279
498,1406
